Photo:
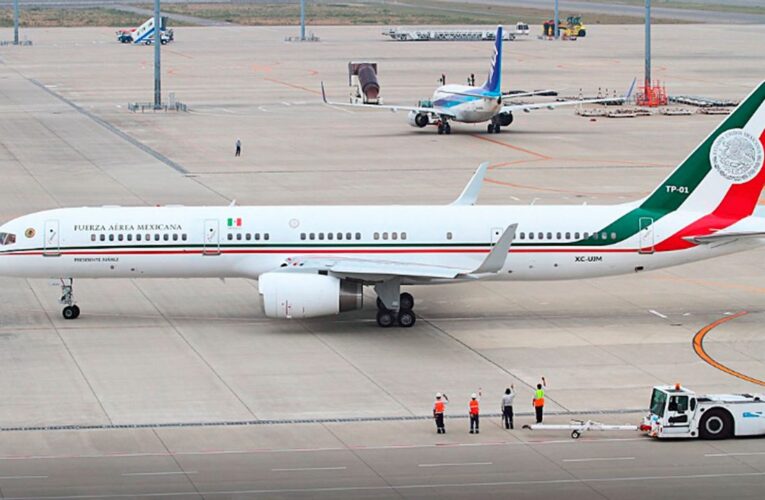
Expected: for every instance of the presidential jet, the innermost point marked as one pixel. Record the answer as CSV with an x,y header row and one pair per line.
x,y
316,260
469,104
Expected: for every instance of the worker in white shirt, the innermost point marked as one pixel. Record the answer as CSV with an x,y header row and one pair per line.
x,y
507,407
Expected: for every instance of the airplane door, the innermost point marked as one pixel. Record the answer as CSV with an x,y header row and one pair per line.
x,y
211,238
646,235
51,243
496,234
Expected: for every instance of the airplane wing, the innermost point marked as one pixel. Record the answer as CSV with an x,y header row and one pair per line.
x,y
548,92
373,270
552,105
393,108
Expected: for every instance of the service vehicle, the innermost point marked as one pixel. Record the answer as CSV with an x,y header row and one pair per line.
x,y
677,412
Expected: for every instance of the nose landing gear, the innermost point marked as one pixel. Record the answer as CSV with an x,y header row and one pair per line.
x,y
71,310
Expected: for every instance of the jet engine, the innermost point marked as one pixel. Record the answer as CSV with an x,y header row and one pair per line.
x,y
505,119
418,119
304,295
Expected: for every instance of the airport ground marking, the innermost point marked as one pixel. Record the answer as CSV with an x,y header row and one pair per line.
x,y
415,487
517,148
605,459
309,469
457,464
698,347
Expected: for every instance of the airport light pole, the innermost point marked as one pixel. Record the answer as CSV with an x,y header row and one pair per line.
x,y
302,20
15,22
647,44
555,21
157,70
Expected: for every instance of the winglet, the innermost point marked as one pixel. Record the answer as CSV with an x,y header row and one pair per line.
x,y
629,91
469,195
496,259
323,94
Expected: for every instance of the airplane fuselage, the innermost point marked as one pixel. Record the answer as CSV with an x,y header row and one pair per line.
x,y
469,104
552,242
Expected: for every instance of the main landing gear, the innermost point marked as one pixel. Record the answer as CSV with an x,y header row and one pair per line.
x,y
70,311
405,317
444,128
494,127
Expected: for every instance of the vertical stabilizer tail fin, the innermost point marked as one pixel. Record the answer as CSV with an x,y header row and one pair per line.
x,y
724,174
494,82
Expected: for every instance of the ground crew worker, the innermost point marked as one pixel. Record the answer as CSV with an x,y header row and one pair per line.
x,y
507,407
539,400
439,407
238,148
473,413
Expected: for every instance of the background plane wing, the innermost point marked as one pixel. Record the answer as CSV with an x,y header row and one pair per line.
x,y
388,107
509,108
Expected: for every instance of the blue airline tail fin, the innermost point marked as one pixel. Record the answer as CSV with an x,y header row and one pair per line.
x,y
494,81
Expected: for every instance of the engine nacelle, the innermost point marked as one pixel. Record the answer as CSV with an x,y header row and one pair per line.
x,y
505,119
418,119
304,295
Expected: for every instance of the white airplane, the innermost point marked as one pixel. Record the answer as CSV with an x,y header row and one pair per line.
x,y
315,260
467,104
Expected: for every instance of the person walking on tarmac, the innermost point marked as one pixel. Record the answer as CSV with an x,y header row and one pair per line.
x,y
473,413
539,400
238,151
507,407
439,407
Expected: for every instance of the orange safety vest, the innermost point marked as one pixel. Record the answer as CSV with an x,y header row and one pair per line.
x,y
438,407
474,407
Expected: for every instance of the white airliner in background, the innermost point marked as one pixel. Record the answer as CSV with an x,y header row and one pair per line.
x,y
315,260
468,104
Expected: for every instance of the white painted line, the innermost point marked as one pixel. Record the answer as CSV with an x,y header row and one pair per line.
x,y
23,477
597,459
286,103
657,313
410,487
741,454
168,473
463,464
301,469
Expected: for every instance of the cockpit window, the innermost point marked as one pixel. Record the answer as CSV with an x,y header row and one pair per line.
x,y
7,238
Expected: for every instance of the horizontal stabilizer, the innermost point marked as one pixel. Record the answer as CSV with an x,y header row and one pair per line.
x,y
720,237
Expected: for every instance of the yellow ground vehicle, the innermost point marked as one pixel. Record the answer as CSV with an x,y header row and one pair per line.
x,y
572,28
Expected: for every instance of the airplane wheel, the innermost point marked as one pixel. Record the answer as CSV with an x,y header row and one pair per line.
x,y
490,128
70,312
497,128
447,129
440,129
406,301
406,318
385,318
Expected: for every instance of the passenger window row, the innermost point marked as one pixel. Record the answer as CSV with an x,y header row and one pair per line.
x,y
248,236
393,236
567,236
330,236
139,237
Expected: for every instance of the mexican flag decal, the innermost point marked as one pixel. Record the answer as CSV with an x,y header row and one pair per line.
x,y
234,222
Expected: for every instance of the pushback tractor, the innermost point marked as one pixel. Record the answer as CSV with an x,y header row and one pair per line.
x,y
677,412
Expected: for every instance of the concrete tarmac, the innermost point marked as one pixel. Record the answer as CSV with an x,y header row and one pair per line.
x,y
163,357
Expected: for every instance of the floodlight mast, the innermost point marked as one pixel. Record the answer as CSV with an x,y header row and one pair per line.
x,y
157,45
